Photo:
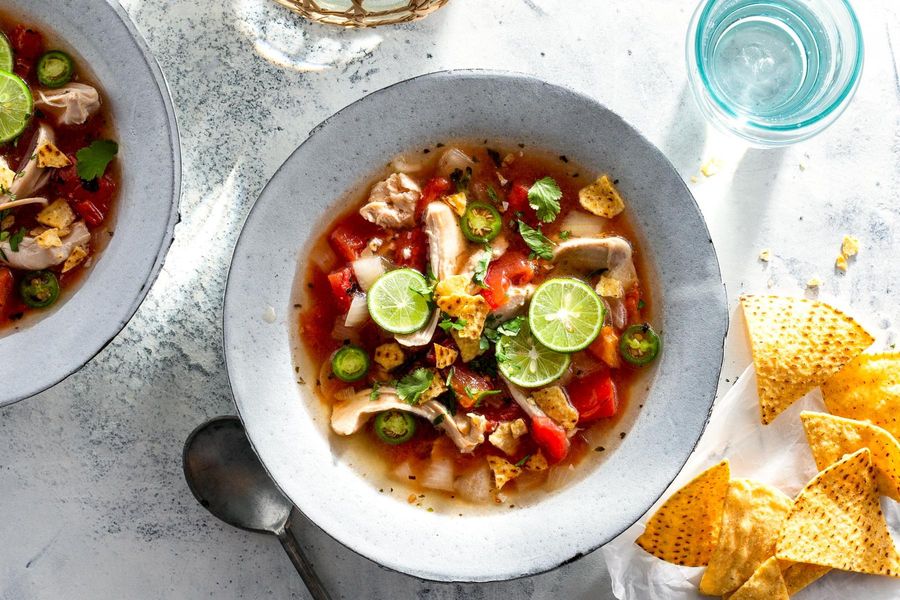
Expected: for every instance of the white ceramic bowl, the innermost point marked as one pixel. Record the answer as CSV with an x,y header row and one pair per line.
x,y
49,347
289,430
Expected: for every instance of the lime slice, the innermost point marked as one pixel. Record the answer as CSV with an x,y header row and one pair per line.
x,y
527,363
15,106
565,314
394,303
6,54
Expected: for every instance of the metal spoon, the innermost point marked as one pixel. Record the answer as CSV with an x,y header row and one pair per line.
x,y
227,478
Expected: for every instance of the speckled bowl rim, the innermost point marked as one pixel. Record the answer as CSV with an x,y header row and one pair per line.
x,y
517,567
107,325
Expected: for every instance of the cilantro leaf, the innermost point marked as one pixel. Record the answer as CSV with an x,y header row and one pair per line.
x,y
373,395
481,268
565,234
411,387
512,327
544,197
479,395
539,244
92,160
524,460
447,324
16,239
492,194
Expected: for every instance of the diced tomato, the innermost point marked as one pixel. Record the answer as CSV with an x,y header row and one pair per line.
x,y
88,211
341,282
513,268
411,248
550,437
606,347
6,288
633,304
508,411
26,42
351,237
468,385
518,202
90,199
434,189
594,396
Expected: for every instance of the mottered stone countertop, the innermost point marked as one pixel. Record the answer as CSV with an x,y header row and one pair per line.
x,y
93,504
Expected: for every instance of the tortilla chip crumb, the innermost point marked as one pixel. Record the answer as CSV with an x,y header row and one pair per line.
x,y
601,198
504,471
694,179
389,356
850,246
79,253
815,282
765,255
711,167
457,202
444,356
840,263
49,239
48,155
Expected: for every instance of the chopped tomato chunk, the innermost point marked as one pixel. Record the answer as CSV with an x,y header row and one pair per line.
x,y
352,236
468,385
6,288
550,437
518,202
513,268
90,199
341,282
27,45
633,304
594,396
411,249
434,189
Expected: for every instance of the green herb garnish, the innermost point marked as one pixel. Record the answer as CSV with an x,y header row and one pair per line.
x,y
93,160
544,197
411,387
539,244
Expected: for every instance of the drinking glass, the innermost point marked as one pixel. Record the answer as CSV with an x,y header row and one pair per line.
x,y
774,72
363,13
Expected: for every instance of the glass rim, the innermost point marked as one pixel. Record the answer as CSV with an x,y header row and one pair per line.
x,y
701,15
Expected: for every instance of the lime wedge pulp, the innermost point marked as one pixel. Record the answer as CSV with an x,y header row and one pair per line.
x,y
397,301
566,314
6,54
16,105
528,363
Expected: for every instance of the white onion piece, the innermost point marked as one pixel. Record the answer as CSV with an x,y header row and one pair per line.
x,y
618,314
475,486
406,163
560,476
582,224
358,313
403,471
453,159
368,269
439,475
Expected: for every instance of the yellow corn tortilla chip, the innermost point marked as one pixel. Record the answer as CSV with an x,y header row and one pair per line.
x,y
867,389
48,155
79,253
797,345
504,471
766,583
444,356
552,400
468,348
831,437
685,529
537,462
799,575
754,514
836,521
389,356
473,310
601,198
458,284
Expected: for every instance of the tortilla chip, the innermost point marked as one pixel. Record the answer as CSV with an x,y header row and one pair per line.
x,y
48,155
836,521
867,389
797,345
7,177
504,471
552,400
609,287
434,390
754,514
473,310
458,284
444,356
685,529
766,583
457,202
799,575
468,348
48,239
537,462
79,253
57,214
389,356
831,437
602,198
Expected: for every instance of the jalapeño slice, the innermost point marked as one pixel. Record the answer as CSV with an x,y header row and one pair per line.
x,y
39,289
55,69
394,427
481,222
639,344
350,363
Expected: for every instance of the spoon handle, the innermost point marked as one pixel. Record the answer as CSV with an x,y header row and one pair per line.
x,y
304,567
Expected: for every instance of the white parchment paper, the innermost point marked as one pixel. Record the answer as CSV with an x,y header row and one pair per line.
x,y
776,454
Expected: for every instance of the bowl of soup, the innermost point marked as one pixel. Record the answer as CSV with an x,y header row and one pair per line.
x,y
89,183
474,338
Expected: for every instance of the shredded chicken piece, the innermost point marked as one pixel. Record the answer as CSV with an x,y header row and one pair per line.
x,y
70,105
31,256
446,243
588,255
31,177
392,202
348,417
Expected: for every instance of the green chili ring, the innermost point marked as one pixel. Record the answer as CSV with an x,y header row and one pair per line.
x,y
55,69
39,289
639,345
350,363
394,427
481,222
